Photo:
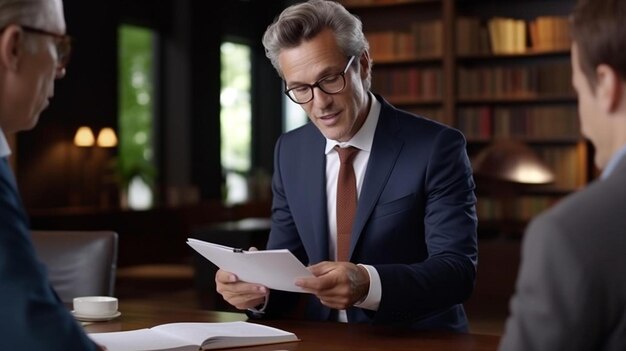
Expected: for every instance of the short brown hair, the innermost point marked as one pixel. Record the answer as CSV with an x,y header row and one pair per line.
x,y
599,31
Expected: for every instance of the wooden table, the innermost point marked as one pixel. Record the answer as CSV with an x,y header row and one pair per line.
x,y
315,336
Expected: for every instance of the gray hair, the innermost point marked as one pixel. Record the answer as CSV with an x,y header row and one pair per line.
x,y
24,12
302,22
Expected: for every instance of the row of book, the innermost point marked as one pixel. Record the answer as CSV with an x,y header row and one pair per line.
x,y
521,208
567,162
536,122
407,84
501,35
421,39
371,2
432,113
548,79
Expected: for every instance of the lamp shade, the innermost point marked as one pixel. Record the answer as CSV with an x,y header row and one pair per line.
x,y
84,137
511,161
107,138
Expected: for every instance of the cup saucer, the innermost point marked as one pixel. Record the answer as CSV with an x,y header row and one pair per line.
x,y
90,318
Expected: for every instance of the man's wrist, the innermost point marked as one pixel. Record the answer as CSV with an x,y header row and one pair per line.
x,y
259,310
362,284
371,301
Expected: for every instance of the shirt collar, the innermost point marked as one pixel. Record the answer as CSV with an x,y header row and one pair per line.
x,y
610,167
364,138
4,145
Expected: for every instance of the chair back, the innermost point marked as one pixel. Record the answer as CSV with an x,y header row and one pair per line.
x,y
79,263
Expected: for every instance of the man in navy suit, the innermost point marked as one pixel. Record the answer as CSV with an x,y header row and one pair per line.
x,y
33,53
413,252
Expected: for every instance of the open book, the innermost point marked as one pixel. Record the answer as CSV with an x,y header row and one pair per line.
x,y
192,337
275,269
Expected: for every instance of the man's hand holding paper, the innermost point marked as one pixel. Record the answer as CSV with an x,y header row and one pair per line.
x,y
338,285
273,269
240,294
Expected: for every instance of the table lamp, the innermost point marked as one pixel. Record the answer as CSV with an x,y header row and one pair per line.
x,y
504,170
512,162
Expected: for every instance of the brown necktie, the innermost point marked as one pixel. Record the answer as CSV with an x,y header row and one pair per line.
x,y
346,200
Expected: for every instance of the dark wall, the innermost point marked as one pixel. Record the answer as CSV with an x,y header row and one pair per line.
x,y
49,167
52,172
206,36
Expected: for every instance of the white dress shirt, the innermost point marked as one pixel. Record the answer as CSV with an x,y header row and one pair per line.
x,y
615,159
4,145
362,140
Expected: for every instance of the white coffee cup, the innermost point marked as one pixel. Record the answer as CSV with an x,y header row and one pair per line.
x,y
95,306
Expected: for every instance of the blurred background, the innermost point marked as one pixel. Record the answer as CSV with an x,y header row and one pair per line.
x,y
165,124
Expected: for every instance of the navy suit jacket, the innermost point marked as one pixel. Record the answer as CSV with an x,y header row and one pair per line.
x,y
32,317
415,220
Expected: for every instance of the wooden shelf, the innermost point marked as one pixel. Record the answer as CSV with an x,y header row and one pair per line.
x,y
550,190
409,60
364,5
517,99
411,101
540,54
535,102
529,140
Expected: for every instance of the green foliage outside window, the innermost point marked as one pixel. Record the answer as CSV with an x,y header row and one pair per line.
x,y
235,119
135,153
235,107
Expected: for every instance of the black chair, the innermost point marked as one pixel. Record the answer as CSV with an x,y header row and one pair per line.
x,y
79,263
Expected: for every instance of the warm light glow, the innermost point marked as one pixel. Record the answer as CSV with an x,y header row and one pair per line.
x,y
107,138
531,174
512,161
84,137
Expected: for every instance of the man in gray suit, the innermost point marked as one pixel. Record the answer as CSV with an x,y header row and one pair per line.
x,y
571,289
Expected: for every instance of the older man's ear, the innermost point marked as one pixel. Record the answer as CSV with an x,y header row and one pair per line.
x,y
11,47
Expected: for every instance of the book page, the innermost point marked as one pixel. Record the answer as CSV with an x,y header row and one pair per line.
x,y
192,336
221,335
141,340
275,269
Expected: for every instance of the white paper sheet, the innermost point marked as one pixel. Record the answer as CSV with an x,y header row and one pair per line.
x,y
275,269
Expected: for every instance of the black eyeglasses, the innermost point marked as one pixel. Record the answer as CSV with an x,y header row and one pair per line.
x,y
332,84
63,44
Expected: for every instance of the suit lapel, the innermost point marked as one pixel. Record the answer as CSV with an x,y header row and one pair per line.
x,y
385,150
8,189
7,176
314,183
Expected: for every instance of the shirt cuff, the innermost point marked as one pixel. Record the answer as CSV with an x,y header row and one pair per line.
x,y
372,300
259,310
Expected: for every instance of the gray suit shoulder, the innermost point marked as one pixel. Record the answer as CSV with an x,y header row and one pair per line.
x,y
591,221
580,240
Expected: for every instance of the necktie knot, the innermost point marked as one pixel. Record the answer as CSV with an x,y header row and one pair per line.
x,y
346,154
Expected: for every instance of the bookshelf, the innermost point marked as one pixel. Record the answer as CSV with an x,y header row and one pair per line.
x,y
411,67
493,69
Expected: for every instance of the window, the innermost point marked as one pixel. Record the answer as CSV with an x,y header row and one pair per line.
x,y
235,119
294,116
136,114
